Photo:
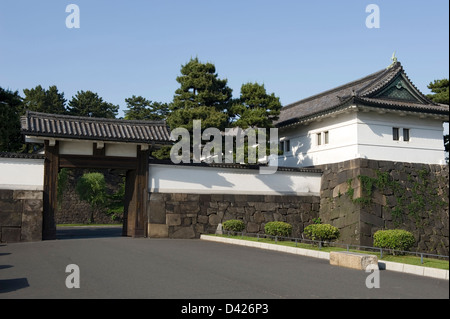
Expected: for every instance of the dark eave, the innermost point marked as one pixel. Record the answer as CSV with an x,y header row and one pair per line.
x,y
98,129
365,91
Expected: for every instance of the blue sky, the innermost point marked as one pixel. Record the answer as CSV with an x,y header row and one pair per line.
x,y
296,48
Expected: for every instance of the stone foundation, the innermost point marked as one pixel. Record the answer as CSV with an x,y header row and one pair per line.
x,y
412,197
176,215
20,215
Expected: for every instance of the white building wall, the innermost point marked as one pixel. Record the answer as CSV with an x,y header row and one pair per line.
x,y
375,140
20,173
75,148
364,135
215,180
306,151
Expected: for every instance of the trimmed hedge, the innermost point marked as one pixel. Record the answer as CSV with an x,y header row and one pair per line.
x,y
234,225
278,229
322,232
397,239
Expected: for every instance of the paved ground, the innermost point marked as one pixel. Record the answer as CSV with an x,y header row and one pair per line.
x,y
119,267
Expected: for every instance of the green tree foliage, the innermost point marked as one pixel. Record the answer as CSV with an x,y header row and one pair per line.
x,y
322,232
139,108
394,239
255,107
234,225
91,187
201,96
440,89
88,103
116,202
278,228
10,105
39,99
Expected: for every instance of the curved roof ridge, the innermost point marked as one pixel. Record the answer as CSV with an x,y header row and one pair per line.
x,y
338,88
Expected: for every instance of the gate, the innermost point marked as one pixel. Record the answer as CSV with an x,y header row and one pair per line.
x,y
84,142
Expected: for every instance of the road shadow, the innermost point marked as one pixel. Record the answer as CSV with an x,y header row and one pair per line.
x,y
79,232
8,285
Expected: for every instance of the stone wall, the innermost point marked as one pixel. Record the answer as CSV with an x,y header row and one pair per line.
x,y
176,215
362,196
20,215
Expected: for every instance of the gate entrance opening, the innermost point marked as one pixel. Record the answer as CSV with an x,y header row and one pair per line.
x,y
96,143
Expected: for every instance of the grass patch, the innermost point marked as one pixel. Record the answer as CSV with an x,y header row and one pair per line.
x,y
405,259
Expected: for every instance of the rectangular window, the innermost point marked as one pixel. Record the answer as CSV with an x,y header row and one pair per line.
x,y
281,147
327,138
319,138
395,134
287,143
406,134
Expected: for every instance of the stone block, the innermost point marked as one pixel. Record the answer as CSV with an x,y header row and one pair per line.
x,y
157,197
193,197
156,211
10,235
353,260
6,194
202,219
158,230
183,233
23,194
204,198
11,214
252,227
173,219
190,207
340,190
214,219
32,222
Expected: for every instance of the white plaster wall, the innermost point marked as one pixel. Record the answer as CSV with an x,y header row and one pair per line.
x,y
342,144
19,173
126,150
209,180
365,135
426,144
86,148
75,148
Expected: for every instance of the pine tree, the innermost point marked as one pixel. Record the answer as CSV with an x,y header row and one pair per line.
x,y
440,88
39,99
139,108
255,107
201,96
10,106
90,104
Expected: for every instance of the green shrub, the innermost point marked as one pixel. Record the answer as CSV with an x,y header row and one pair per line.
x,y
397,239
322,232
278,229
91,187
234,225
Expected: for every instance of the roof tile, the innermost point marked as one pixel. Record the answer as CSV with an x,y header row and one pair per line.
x,y
75,127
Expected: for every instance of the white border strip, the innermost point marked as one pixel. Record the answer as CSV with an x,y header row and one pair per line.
x,y
383,265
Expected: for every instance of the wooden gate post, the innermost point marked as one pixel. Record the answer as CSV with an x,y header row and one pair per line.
x,y
141,189
51,168
136,195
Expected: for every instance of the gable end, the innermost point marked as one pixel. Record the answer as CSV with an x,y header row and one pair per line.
x,y
401,89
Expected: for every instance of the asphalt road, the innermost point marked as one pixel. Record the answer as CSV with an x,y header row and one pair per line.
x,y
111,266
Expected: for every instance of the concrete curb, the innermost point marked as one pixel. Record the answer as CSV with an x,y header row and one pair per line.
x,y
383,265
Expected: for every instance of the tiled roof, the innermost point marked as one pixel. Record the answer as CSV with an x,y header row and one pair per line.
x,y
363,91
100,129
21,155
237,166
